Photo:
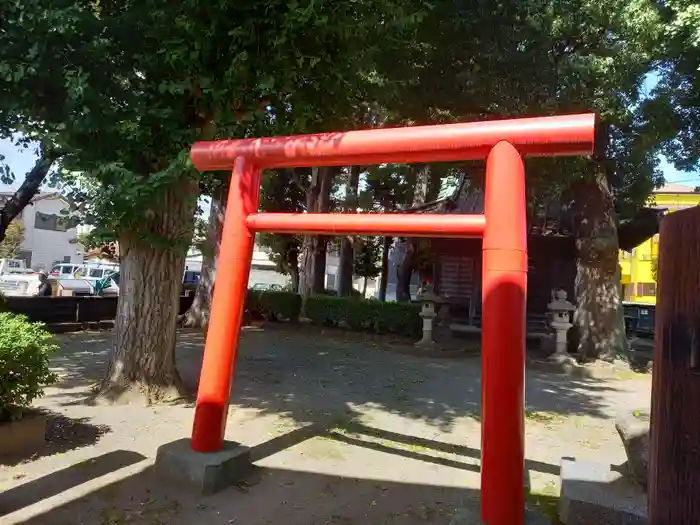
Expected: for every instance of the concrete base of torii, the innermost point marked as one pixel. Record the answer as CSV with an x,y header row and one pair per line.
x,y
177,464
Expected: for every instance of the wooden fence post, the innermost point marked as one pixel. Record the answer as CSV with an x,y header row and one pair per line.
x,y
674,455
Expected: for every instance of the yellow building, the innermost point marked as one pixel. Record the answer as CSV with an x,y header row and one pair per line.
x,y
639,266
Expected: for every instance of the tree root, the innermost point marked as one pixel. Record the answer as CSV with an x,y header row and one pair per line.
x,y
137,393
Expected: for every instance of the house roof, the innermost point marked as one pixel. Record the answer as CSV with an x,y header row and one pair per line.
x,y
43,195
672,187
550,219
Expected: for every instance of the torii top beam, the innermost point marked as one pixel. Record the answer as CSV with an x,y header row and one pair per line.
x,y
542,136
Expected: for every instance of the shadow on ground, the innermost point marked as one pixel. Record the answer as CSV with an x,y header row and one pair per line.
x,y
63,434
269,495
300,373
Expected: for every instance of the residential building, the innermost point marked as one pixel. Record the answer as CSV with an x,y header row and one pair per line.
x,y
49,238
638,267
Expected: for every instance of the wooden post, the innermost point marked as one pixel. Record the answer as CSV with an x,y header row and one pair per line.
x,y
674,455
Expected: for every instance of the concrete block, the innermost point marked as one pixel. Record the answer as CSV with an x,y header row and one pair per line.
x,y
593,494
178,464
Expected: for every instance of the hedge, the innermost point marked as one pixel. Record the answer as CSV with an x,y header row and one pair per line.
x,y
365,315
273,305
360,315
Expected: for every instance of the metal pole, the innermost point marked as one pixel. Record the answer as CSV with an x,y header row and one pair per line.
x,y
221,347
396,224
504,286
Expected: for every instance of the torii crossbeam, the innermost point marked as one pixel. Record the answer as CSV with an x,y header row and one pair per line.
x,y
503,228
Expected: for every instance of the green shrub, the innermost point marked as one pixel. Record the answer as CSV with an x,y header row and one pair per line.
x,y
276,305
25,348
327,310
334,293
365,315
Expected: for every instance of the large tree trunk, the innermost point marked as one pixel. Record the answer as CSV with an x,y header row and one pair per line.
x,y
599,315
384,275
142,365
294,276
198,313
25,193
313,271
347,253
410,259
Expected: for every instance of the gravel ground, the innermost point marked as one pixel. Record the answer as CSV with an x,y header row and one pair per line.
x,y
344,430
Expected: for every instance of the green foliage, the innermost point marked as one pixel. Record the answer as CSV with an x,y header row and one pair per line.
x,y
96,237
25,349
11,245
275,305
365,315
139,82
672,111
368,257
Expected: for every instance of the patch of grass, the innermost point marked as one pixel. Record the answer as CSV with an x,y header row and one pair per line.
x,y
546,501
543,416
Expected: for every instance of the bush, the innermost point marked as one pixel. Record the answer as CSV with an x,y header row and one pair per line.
x,y
365,315
273,305
334,293
276,305
25,348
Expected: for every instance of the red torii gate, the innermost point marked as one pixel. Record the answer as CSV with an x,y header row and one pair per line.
x,y
503,227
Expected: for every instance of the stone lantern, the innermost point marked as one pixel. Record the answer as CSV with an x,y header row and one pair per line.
x,y
428,312
561,310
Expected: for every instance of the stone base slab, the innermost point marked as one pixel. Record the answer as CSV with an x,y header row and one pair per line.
x,y
594,494
203,473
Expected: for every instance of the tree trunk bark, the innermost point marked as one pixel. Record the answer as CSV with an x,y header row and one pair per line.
x,y
294,276
313,270
347,254
197,316
142,365
599,314
384,276
364,287
404,272
408,264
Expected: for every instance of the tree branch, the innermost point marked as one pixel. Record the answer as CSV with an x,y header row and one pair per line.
x,y
29,188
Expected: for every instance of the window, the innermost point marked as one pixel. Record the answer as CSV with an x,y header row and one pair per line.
x,y
646,289
46,221
26,255
67,270
627,291
191,277
97,272
66,259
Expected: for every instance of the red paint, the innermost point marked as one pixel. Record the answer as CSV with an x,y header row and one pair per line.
x,y
545,136
503,227
394,224
221,349
504,285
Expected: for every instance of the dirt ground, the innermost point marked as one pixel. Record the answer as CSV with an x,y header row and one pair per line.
x,y
343,429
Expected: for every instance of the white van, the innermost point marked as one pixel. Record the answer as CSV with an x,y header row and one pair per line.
x,y
63,270
82,271
95,271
